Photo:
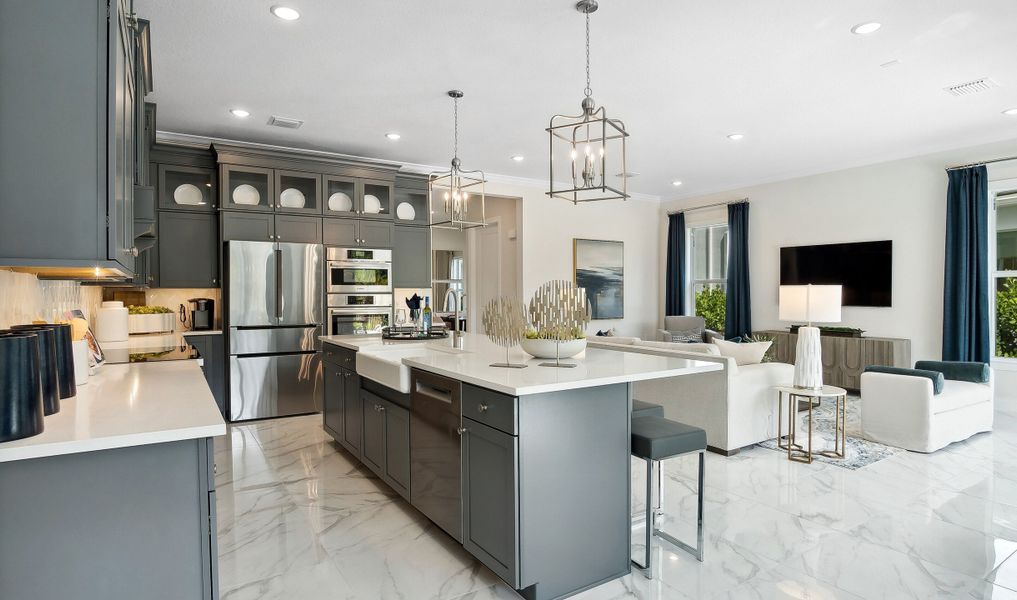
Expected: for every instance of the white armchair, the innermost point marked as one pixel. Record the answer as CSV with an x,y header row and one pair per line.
x,y
929,407
683,324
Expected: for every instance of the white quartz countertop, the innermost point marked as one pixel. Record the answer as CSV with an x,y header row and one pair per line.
x,y
471,362
127,405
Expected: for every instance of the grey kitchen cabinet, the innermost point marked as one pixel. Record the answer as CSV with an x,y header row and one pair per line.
x,y
374,432
342,196
188,250
122,524
397,448
340,232
252,227
411,257
376,199
189,188
490,475
334,382
247,188
68,111
211,349
353,416
358,232
298,192
376,234
386,444
298,229
411,190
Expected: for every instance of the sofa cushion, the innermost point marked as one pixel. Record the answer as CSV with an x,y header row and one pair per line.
x,y
960,394
935,376
614,339
743,353
680,347
973,372
686,335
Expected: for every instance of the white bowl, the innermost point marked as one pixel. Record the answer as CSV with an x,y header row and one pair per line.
x,y
246,194
292,198
546,348
405,211
372,205
340,202
188,194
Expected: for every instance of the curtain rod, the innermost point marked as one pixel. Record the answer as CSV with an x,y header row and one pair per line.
x,y
705,206
984,162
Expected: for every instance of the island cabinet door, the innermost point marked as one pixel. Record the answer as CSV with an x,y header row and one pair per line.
x,y
374,433
353,414
332,410
397,448
491,498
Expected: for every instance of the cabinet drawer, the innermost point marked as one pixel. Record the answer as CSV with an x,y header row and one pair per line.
x,y
342,357
491,408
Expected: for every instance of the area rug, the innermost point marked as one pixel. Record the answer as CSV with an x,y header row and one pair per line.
x,y
860,452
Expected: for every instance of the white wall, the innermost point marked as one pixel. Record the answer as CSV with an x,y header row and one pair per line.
x,y
546,234
903,201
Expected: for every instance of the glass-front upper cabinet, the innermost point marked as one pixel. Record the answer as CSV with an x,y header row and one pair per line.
x,y
187,188
342,196
376,201
247,188
298,192
410,207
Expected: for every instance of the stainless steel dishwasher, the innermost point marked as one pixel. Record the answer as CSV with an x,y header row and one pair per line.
x,y
436,450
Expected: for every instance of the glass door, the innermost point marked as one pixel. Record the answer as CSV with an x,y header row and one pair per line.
x,y
298,192
341,196
1003,252
247,188
376,202
187,188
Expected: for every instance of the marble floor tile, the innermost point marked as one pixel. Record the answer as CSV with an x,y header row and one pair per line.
x,y
874,571
298,517
938,542
1005,574
320,581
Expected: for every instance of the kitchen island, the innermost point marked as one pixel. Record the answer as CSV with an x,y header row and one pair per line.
x,y
115,499
527,468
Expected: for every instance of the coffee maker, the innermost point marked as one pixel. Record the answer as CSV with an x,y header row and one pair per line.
x,y
202,314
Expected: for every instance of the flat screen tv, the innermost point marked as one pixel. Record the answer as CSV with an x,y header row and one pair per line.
x,y
865,269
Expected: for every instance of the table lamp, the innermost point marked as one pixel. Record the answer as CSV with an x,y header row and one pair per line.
x,y
809,303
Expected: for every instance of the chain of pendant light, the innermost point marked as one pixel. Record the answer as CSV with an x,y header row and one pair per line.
x,y
455,129
588,91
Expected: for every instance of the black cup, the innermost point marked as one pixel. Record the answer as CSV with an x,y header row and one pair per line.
x,y
47,367
21,408
64,355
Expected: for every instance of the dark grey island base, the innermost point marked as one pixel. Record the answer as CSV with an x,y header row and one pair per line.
x,y
544,478
121,524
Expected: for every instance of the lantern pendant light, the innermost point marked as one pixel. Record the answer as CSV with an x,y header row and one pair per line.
x,y
586,149
456,196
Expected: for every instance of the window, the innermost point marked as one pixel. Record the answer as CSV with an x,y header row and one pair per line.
x,y
1004,281
708,284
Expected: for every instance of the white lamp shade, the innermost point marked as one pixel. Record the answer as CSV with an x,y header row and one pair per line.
x,y
810,303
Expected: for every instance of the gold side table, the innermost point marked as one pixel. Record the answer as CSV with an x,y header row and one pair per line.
x,y
795,451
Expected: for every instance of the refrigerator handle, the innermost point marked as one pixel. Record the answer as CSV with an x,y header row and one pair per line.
x,y
278,284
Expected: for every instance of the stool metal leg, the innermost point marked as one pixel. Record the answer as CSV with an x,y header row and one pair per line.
x,y
647,567
653,508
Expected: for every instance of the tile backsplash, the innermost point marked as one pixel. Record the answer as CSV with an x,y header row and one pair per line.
x,y
24,298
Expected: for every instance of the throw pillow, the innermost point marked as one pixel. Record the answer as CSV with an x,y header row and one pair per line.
x,y
743,353
687,335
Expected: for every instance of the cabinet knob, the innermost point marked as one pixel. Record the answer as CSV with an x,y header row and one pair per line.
x,y
461,430
134,251
214,281
482,408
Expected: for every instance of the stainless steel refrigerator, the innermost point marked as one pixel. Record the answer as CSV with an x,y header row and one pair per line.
x,y
274,317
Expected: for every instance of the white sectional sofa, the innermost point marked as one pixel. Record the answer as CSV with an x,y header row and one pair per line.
x,y
737,406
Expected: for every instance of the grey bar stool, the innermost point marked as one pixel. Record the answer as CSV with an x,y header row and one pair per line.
x,y
646,409
655,439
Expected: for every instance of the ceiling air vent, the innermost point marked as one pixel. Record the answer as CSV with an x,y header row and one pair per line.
x,y
285,122
971,87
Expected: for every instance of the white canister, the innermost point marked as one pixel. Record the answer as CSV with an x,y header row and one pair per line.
x,y
81,364
111,322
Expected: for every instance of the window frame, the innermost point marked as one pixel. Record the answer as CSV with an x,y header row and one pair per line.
x,y
997,188
690,242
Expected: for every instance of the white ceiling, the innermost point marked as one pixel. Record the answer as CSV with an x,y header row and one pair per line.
x,y
808,95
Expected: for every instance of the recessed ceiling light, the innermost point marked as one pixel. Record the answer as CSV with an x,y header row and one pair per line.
x,y
239,112
1010,111
518,158
865,28
393,136
285,13
676,183
735,136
